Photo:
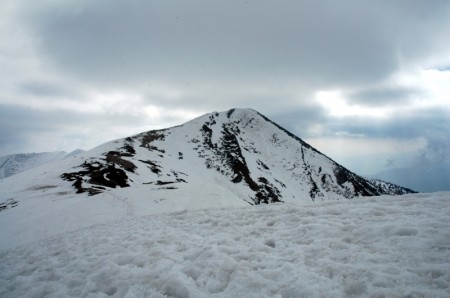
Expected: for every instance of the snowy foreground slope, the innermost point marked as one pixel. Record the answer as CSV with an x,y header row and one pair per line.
x,y
370,247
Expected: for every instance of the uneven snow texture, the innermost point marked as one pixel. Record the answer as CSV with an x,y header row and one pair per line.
x,y
371,247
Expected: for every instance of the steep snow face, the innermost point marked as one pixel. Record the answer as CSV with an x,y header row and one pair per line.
x,y
242,150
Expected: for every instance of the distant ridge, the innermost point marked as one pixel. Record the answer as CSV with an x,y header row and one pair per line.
x,y
16,163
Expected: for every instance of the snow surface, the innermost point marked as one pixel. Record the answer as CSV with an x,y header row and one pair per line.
x,y
367,247
16,163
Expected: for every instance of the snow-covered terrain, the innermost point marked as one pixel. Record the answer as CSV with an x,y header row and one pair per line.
x,y
240,149
370,247
177,213
16,163
230,159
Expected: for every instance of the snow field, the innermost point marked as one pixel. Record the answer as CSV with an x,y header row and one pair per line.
x,y
367,247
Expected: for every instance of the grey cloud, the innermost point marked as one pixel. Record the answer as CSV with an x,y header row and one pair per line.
x,y
20,127
431,124
15,119
266,96
201,56
436,151
16,126
384,96
47,89
300,120
321,42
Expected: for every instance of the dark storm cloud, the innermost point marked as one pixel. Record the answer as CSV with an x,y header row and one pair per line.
x,y
317,42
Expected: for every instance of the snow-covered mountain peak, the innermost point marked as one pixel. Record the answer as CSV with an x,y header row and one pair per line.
x,y
219,118
238,150
219,160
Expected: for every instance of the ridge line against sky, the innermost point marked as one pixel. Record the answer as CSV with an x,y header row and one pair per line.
x,y
366,82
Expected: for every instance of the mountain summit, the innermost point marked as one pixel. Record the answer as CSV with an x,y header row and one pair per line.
x,y
79,226
226,160
240,151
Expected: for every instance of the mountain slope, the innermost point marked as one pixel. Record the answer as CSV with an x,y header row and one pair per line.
x,y
16,163
219,160
248,153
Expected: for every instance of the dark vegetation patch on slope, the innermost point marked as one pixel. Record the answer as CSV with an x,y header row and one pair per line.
x,y
115,157
150,136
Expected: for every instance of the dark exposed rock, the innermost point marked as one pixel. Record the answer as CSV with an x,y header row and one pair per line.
x,y
9,203
230,112
99,175
262,165
229,154
153,166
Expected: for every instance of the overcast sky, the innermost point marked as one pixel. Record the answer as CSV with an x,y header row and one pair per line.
x,y
365,82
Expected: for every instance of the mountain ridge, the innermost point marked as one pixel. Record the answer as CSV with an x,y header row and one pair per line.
x,y
16,163
425,178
